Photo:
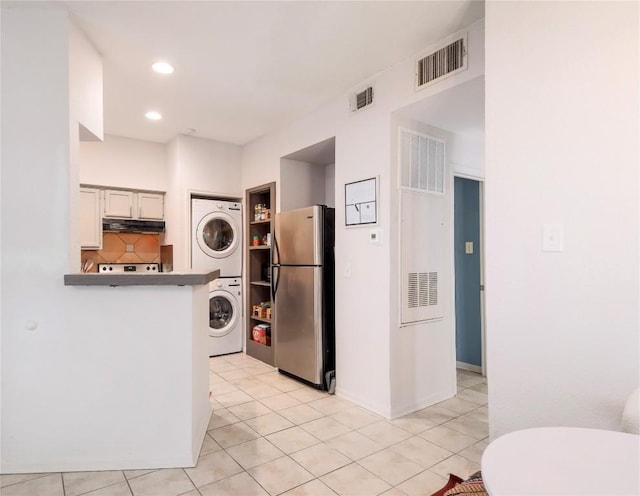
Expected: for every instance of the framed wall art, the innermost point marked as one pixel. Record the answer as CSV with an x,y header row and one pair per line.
x,y
361,202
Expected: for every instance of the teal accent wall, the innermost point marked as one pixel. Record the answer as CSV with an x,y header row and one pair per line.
x,y
467,228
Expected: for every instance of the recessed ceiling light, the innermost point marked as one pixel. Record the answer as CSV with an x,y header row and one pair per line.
x,y
153,116
163,67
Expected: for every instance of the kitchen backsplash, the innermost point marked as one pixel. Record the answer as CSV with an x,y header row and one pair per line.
x,y
124,248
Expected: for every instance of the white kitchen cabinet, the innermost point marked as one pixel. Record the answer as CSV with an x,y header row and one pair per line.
x,y
150,206
90,219
118,203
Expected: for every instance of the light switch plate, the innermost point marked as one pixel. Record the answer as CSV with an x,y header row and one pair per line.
x,y
468,247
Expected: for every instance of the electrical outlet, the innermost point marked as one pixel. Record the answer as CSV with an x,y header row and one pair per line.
x,y
552,237
347,270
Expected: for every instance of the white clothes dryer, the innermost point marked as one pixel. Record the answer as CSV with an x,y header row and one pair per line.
x,y
216,236
226,329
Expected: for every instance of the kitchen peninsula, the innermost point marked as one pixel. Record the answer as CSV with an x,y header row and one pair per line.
x,y
149,332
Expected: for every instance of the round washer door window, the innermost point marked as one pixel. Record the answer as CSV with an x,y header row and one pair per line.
x,y
217,235
223,314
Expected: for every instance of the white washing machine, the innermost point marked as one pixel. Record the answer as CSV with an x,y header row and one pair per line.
x,y
216,236
226,329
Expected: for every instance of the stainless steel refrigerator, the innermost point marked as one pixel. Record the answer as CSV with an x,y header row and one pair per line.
x,y
303,289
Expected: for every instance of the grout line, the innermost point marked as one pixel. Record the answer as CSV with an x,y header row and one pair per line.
x,y
127,481
39,476
191,480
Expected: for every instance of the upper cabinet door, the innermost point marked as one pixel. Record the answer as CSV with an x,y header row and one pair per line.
x,y
150,206
90,219
118,204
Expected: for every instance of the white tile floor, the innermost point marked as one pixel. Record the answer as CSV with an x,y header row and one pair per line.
x,y
271,435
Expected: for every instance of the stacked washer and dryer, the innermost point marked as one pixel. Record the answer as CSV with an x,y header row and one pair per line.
x,y
216,243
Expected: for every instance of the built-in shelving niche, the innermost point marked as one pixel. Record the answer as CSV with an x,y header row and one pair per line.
x,y
258,256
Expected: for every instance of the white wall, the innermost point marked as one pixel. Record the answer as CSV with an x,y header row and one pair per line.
x,y
423,354
301,184
197,166
210,166
85,74
124,163
562,147
45,368
467,156
367,323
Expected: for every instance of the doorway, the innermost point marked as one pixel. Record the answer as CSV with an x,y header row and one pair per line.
x,y
469,286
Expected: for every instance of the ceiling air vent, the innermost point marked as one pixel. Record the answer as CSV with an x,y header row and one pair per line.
x,y
442,63
362,99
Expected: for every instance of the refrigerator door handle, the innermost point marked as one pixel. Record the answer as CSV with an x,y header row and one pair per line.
x,y
275,253
275,279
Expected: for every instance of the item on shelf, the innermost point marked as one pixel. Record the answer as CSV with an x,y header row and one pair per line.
x,y
261,333
255,240
261,212
268,241
262,310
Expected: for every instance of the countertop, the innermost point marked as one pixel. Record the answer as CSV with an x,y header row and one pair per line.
x,y
183,278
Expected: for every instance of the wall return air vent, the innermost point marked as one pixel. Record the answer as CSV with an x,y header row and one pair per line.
x,y
444,62
423,289
362,99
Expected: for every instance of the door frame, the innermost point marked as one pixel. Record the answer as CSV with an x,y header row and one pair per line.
x,y
480,181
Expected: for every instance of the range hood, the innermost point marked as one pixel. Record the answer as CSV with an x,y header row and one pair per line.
x,y
132,226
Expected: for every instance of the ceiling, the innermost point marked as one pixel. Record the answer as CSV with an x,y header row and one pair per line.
x,y
243,69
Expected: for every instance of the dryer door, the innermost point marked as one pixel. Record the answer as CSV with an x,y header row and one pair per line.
x,y
218,235
223,313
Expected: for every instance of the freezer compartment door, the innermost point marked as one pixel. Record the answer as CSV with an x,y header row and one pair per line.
x,y
299,236
298,331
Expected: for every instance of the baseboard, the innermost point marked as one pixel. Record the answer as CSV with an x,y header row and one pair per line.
x,y
393,412
364,403
425,402
469,367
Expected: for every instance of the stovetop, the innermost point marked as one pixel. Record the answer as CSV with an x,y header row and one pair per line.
x,y
128,268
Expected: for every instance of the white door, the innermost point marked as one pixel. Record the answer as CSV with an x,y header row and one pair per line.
x,y
90,219
150,206
118,204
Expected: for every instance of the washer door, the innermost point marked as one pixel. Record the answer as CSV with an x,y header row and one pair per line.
x,y
218,235
223,313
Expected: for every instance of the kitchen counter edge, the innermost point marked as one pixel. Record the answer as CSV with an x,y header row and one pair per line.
x,y
193,278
